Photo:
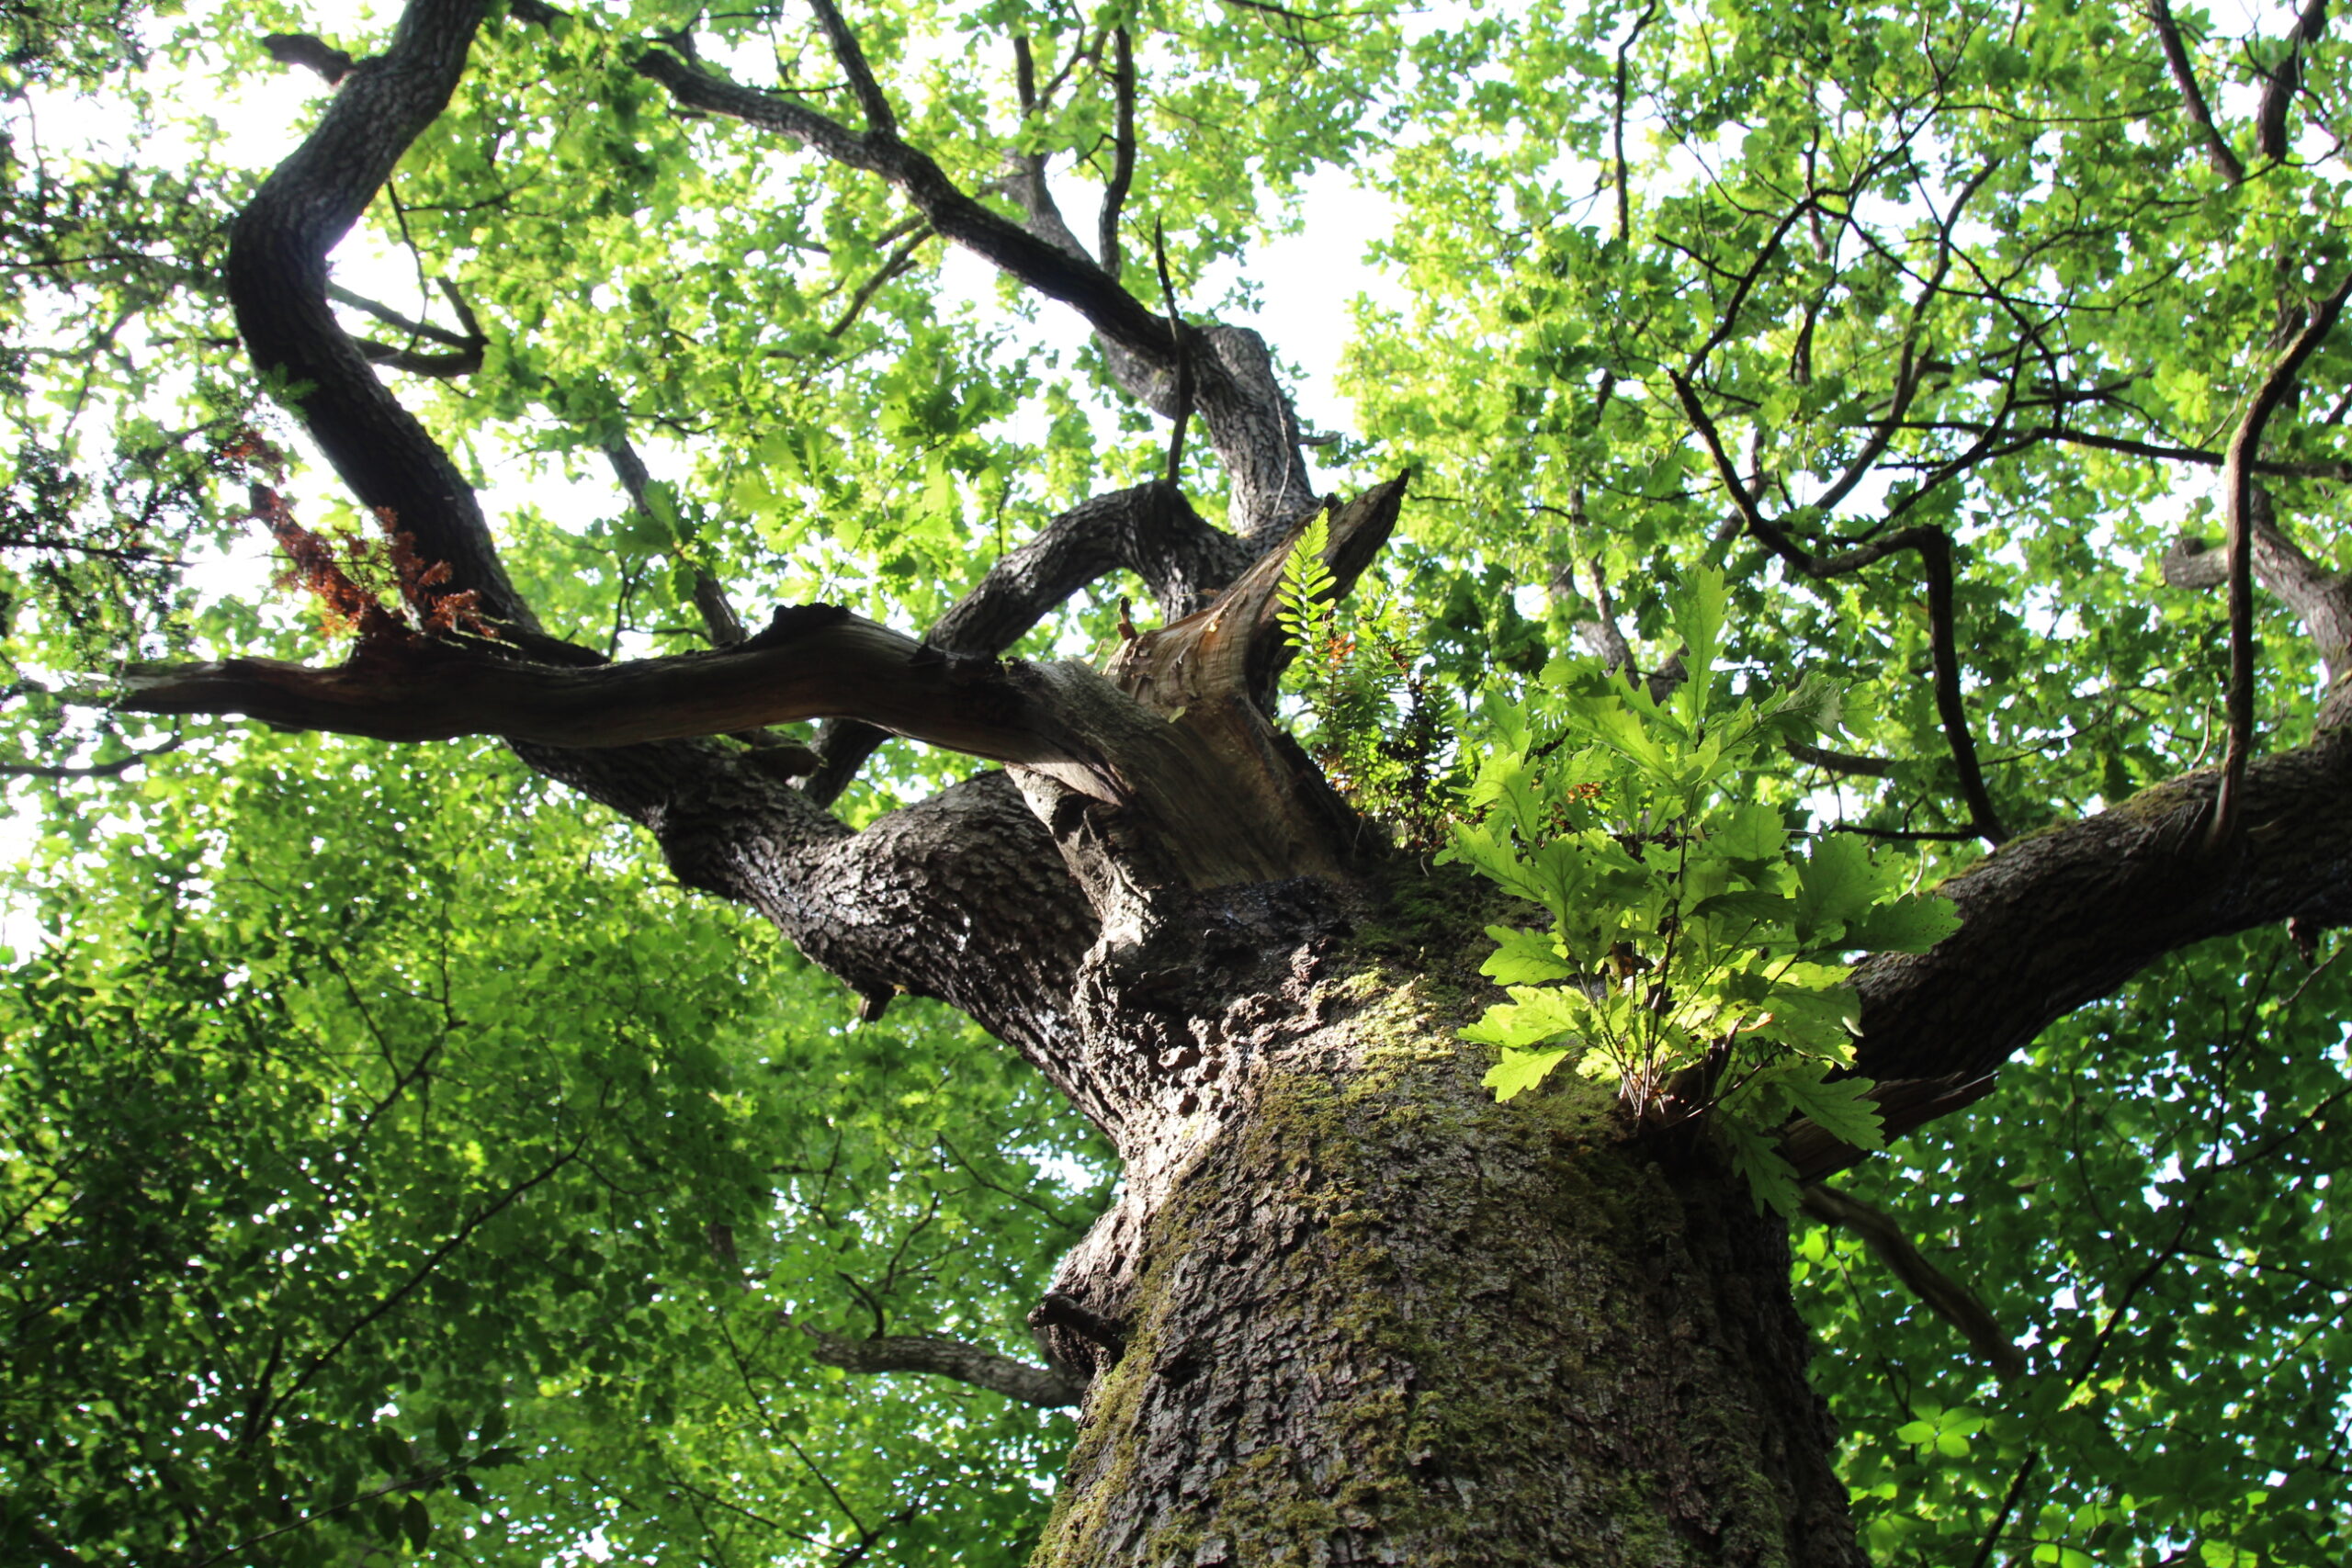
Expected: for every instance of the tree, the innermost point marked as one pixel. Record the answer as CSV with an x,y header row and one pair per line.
x,y
1871,358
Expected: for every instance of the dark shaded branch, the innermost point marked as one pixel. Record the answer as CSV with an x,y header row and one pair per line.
x,y
2278,93
1123,147
1617,120
872,102
2063,916
1149,530
469,340
1941,1294
1841,761
2279,467
814,661
1074,279
1935,558
2320,598
1180,349
113,769
278,284
1249,419
896,265
2009,1501
314,53
2238,494
2192,96
1933,546
966,1363
718,618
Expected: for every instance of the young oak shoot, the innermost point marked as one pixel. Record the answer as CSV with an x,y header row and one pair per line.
x,y
1696,954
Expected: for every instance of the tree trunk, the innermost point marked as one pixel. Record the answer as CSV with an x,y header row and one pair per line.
x,y
1371,1316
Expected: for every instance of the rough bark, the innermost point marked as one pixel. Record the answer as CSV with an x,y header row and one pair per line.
x,y
1372,1317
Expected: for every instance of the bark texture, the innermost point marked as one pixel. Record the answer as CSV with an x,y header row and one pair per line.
x,y
1374,1317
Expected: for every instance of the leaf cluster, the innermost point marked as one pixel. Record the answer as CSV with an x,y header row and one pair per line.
x,y
1695,955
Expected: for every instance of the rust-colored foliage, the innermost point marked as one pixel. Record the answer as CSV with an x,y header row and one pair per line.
x,y
350,576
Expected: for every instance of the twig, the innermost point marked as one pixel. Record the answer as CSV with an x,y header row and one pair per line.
x,y
896,266
1617,120
1183,360
115,769
2009,1506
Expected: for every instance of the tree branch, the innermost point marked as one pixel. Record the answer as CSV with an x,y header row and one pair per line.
x,y
2237,489
1123,146
1938,1292
277,285
2278,93
967,1363
718,618
315,53
881,124
1149,530
1249,419
2063,916
1934,548
2192,97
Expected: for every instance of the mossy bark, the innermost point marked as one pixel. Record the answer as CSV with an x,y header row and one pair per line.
x,y
1381,1318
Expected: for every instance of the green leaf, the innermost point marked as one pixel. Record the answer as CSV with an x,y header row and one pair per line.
x,y
1839,1107
1522,958
417,1520
1912,923
1834,885
1755,1156
1519,1071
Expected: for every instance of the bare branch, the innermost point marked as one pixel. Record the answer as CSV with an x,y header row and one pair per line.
x,y
896,265
1149,530
967,1363
317,54
2060,917
1180,351
2278,93
1841,761
1249,419
1934,548
1942,1294
1123,146
813,661
881,122
471,340
1075,280
1617,120
719,617
278,284
113,769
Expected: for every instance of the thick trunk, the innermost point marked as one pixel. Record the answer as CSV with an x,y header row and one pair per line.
x,y
1372,1317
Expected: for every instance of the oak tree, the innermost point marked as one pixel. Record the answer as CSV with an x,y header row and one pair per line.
x,y
1783,484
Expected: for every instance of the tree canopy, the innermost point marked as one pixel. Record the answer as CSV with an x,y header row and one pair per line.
x,y
396,1159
